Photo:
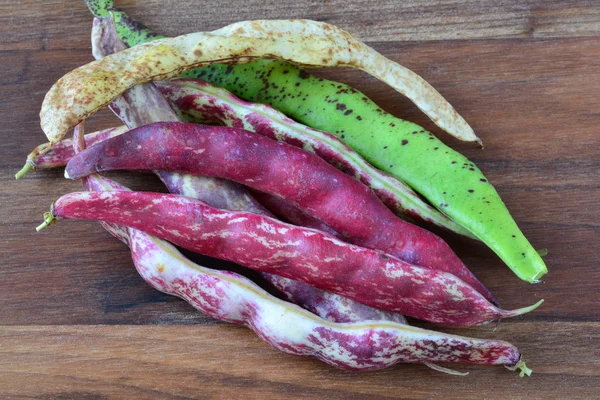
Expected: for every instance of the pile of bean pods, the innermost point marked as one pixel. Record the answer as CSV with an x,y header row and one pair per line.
x,y
302,179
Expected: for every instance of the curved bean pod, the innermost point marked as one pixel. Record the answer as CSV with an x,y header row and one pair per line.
x,y
60,154
358,346
267,245
299,177
203,102
87,89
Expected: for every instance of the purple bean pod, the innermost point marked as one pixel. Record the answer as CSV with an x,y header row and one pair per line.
x,y
368,276
200,101
59,155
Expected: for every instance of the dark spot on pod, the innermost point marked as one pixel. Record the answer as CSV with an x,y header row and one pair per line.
x,y
453,162
343,136
340,106
435,148
523,254
348,112
404,142
414,132
392,124
471,169
514,236
303,74
297,83
391,165
365,99
285,71
385,147
470,191
482,180
228,70
431,138
444,193
358,117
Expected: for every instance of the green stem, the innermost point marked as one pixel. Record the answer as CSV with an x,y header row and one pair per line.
x,y
26,168
522,367
48,220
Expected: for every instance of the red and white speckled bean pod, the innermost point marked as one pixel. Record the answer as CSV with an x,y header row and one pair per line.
x,y
364,345
60,154
202,102
358,346
267,245
299,177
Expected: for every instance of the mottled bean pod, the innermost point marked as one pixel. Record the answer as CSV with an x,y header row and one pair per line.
x,y
199,101
44,156
299,177
267,245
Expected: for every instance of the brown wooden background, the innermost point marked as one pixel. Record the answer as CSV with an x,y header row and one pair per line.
x,y
77,322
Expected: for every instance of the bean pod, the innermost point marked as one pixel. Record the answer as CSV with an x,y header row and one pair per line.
x,y
44,156
199,101
316,258
299,177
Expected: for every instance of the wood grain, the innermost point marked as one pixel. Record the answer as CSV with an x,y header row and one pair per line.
x,y
77,322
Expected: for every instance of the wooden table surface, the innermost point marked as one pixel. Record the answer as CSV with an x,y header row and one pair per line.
x,y
76,321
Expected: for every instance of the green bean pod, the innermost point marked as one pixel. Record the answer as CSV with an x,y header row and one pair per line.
x,y
452,183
